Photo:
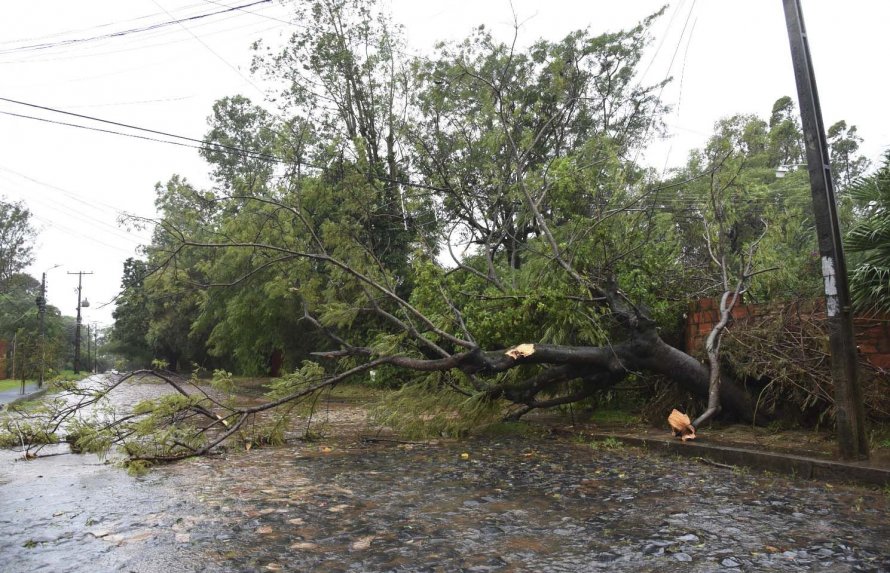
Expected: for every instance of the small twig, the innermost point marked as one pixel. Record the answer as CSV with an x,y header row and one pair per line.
x,y
373,440
715,464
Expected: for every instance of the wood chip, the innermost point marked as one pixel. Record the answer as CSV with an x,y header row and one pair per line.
x,y
521,351
362,543
681,425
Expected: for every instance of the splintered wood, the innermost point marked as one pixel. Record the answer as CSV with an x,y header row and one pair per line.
x,y
521,351
682,425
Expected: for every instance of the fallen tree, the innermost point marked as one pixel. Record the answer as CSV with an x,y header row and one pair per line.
x,y
474,224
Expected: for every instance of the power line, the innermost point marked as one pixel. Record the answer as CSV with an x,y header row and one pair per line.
x,y
663,39
97,27
100,120
667,73
121,33
76,196
201,144
207,146
118,51
108,227
98,129
71,231
212,51
138,102
125,234
266,16
193,143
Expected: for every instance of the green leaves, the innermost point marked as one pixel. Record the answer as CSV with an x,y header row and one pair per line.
x,y
16,236
427,407
308,374
338,314
868,241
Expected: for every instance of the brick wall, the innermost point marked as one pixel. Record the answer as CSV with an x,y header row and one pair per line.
x,y
873,340
872,332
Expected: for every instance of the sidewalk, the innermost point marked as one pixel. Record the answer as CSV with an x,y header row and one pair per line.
x,y
874,472
10,396
800,453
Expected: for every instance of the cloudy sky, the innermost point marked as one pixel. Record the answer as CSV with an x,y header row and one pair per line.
x,y
725,58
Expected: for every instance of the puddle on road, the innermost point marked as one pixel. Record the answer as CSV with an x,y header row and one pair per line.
x,y
344,505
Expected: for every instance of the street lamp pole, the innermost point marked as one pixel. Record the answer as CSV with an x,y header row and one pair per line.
x,y
79,320
849,409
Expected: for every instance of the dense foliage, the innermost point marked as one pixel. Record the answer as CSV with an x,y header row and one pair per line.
x,y
869,241
418,218
19,300
16,235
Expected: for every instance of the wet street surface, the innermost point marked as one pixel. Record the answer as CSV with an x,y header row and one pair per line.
x,y
11,395
548,504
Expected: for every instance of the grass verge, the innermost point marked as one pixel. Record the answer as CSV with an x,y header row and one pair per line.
x,y
6,385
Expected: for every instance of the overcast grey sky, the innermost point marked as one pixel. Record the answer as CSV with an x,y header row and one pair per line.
x,y
725,57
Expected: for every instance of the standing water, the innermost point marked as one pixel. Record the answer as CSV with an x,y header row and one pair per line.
x,y
486,504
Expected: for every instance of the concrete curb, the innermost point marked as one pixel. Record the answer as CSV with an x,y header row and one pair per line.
x,y
794,465
24,397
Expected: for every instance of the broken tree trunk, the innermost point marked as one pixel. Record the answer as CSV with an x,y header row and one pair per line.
x,y
712,346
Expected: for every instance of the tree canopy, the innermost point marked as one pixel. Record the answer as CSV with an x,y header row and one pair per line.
x,y
16,236
473,226
869,241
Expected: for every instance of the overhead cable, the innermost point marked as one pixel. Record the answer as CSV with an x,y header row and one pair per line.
x,y
202,144
120,33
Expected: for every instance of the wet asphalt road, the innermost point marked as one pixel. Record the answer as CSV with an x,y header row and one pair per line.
x,y
510,504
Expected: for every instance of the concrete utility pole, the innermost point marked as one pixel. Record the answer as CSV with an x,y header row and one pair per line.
x,y
77,327
849,408
89,358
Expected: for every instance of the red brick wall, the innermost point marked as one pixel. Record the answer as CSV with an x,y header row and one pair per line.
x,y
872,332
873,339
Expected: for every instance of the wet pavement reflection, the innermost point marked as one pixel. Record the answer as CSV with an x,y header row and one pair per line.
x,y
547,504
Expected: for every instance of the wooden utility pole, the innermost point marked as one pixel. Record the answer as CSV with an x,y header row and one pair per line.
x,y
849,409
95,347
41,312
79,320
15,338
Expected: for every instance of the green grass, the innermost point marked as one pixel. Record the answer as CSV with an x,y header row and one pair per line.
x,y
64,375
606,444
507,429
67,375
614,417
11,385
879,436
